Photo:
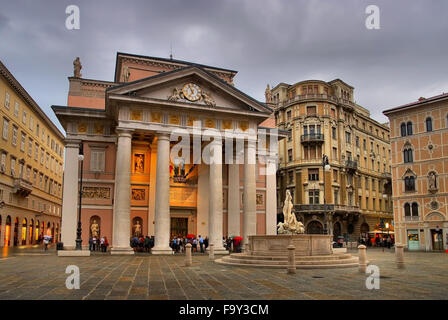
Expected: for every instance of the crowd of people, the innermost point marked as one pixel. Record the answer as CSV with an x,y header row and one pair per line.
x,y
142,243
98,244
377,241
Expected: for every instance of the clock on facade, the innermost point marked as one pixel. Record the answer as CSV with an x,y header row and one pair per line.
x,y
191,91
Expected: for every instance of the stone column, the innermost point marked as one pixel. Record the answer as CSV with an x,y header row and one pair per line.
x,y
234,214
70,195
19,234
122,200
249,191
271,197
427,237
162,214
215,217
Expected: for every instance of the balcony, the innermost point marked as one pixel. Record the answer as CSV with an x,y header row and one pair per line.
x,y
346,208
312,138
22,187
313,208
351,165
386,175
412,218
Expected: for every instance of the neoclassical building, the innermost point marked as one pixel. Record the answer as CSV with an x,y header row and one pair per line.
x,y
419,137
132,183
323,119
31,166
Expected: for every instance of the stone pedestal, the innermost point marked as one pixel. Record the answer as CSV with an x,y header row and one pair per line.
x,y
362,258
291,259
399,255
73,253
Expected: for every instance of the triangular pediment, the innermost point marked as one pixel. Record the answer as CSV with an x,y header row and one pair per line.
x,y
190,86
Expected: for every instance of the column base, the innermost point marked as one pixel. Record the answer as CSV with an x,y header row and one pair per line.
x,y
220,251
121,251
162,251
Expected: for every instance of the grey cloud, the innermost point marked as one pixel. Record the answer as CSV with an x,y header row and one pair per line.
x,y
266,41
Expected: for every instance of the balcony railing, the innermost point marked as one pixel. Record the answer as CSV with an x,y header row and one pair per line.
x,y
351,165
22,187
412,218
346,208
313,207
315,96
312,137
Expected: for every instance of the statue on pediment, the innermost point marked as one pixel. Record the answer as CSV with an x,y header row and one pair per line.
x,y
268,94
77,66
207,99
126,74
176,95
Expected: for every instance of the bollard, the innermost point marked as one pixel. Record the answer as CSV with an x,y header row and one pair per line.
x,y
362,258
291,259
399,255
188,259
246,248
211,253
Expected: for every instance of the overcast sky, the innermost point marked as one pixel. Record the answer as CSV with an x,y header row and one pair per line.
x,y
266,41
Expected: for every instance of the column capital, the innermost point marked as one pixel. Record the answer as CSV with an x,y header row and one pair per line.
x,y
124,132
162,135
72,143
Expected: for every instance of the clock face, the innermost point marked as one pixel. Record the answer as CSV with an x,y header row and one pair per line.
x,y
192,91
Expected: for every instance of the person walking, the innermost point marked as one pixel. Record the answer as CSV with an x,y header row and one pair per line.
x,y
195,245
90,243
102,244
46,241
201,243
93,243
147,243
205,244
106,244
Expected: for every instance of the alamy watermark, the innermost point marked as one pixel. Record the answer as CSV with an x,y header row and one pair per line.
x,y
373,18
373,280
73,20
73,280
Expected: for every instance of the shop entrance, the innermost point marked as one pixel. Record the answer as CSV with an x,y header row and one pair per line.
x,y
437,239
179,227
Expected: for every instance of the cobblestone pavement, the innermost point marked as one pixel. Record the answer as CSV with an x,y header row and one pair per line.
x,y
35,274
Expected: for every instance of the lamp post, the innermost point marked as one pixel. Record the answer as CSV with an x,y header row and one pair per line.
x,y
325,167
79,230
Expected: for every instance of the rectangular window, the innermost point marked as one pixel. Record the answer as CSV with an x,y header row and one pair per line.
x,y
313,174
37,130
5,128
348,137
290,155
97,158
16,109
42,154
31,123
22,142
336,197
7,100
13,166
313,196
335,153
335,175
30,147
333,133
364,144
333,113
35,177
357,141
14,135
3,162
290,177
47,160
311,110
367,184
24,117
36,152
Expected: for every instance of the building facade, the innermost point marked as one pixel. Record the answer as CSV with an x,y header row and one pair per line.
x,y
352,196
131,183
419,142
31,167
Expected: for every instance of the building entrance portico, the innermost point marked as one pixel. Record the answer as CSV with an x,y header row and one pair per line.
x,y
178,150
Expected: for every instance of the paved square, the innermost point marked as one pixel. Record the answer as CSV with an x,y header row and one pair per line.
x,y
35,274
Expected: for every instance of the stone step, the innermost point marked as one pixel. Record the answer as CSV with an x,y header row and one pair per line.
x,y
284,263
298,266
285,258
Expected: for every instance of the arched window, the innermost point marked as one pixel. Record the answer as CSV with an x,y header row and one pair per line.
x,y
408,156
409,184
409,127
407,210
428,124
415,209
403,129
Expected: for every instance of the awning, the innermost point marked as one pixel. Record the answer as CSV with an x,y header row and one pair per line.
x,y
378,231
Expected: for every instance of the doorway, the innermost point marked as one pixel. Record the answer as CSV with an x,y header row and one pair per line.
x,y
314,227
179,227
437,239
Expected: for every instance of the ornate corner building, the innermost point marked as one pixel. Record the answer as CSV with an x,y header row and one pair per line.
x,y
31,167
419,135
352,196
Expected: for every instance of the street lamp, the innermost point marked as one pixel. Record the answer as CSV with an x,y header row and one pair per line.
x,y
326,167
79,230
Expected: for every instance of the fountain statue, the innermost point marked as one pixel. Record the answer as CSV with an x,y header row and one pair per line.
x,y
290,224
